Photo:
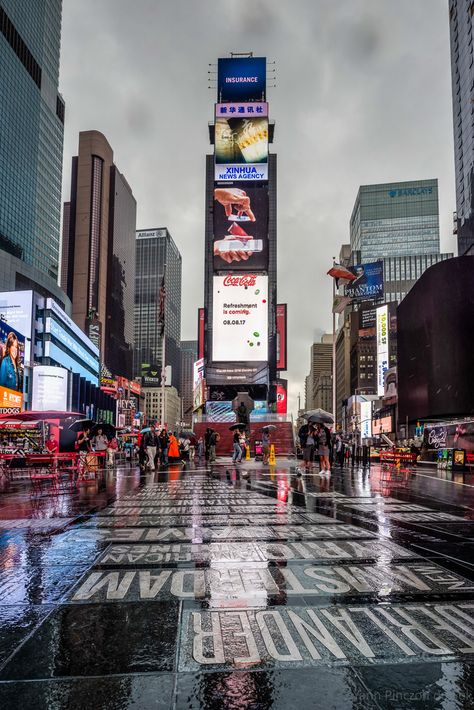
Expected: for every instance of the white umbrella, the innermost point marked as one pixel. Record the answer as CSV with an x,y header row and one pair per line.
x,y
319,416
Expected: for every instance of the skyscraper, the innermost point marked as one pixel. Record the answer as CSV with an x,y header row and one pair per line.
x,y
461,20
188,358
31,145
397,223
98,265
155,248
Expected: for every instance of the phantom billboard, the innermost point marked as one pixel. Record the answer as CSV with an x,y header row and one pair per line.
x,y
368,283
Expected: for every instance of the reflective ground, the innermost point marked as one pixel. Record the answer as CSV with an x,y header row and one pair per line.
x,y
249,587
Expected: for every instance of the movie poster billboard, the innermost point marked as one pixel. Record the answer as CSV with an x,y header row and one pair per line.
x,y
241,227
240,318
240,145
368,283
12,359
241,78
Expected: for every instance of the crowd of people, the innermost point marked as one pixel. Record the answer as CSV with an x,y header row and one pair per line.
x,y
319,445
159,447
87,443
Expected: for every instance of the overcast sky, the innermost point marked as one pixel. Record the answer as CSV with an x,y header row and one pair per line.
x,y
362,95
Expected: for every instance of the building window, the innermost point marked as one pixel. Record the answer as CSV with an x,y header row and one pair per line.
x,y
94,237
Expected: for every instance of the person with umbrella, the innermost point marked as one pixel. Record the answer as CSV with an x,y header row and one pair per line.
x,y
237,455
265,444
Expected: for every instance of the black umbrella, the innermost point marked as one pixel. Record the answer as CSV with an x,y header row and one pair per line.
x,y
269,427
82,424
108,430
237,426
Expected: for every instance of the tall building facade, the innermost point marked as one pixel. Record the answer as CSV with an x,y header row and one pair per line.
x,y
461,20
98,252
189,350
241,352
155,248
319,381
31,146
391,219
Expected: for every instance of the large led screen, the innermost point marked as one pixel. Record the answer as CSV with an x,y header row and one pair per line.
x,y
12,356
49,388
240,318
241,78
241,227
240,147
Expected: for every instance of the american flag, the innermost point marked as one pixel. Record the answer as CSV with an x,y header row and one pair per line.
x,y
161,314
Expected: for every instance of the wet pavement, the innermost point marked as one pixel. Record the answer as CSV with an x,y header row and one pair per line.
x,y
249,587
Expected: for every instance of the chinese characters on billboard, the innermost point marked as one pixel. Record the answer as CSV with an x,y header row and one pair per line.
x,y
368,283
241,227
241,143
12,356
241,79
240,318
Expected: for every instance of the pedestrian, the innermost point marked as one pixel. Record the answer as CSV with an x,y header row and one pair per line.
x,y
100,443
112,447
200,448
324,439
184,448
83,446
164,443
339,450
151,446
207,442
237,455
213,440
307,443
173,449
243,443
192,447
265,445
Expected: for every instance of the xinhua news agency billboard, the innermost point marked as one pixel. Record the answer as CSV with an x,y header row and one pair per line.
x,y
241,142
12,356
240,318
240,239
368,283
241,79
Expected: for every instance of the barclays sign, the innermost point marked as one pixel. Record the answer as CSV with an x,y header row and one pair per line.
x,y
411,191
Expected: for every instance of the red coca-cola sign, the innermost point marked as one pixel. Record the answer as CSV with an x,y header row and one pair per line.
x,y
244,280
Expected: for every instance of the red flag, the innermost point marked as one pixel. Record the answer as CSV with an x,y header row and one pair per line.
x,y
337,271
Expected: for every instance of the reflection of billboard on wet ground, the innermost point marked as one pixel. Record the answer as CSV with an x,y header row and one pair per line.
x,y
241,227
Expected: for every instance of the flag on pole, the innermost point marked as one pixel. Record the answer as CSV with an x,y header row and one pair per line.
x,y
161,310
341,273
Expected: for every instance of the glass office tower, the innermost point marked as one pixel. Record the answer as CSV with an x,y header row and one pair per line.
x,y
394,219
154,249
31,144
461,20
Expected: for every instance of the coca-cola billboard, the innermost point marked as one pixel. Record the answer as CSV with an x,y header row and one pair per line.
x,y
240,318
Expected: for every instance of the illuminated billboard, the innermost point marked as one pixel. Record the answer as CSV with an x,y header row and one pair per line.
x,y
382,347
240,146
281,329
241,227
16,309
49,389
240,318
366,420
368,283
241,79
12,355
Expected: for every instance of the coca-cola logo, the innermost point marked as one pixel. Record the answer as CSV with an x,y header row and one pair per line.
x,y
245,280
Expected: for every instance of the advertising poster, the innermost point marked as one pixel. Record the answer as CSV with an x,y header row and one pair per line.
x,y
365,420
16,309
241,227
240,146
282,398
368,283
49,389
201,332
12,359
240,318
242,78
281,326
382,347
